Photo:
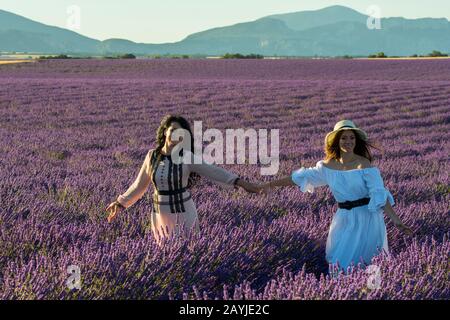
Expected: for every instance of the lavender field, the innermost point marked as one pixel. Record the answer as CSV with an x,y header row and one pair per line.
x,y
73,135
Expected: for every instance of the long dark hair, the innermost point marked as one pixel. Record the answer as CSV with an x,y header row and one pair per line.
x,y
161,139
362,147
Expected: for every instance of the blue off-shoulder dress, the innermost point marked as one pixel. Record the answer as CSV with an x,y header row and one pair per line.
x,y
355,235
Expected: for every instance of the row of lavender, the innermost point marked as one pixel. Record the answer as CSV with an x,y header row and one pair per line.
x,y
355,69
70,146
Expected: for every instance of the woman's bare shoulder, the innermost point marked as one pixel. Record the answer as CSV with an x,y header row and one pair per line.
x,y
330,163
363,163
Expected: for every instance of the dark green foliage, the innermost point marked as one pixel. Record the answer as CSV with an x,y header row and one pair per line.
x,y
241,56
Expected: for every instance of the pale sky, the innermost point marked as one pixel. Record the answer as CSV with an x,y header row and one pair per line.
x,y
152,21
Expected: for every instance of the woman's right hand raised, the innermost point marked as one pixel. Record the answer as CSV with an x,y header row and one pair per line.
x,y
113,209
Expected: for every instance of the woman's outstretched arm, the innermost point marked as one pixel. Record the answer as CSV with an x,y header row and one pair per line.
x,y
134,192
248,186
396,220
139,186
283,182
222,177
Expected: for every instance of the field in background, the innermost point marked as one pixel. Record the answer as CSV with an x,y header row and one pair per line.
x,y
73,135
33,56
13,61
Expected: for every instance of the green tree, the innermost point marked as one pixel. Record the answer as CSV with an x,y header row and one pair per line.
x,y
436,53
127,56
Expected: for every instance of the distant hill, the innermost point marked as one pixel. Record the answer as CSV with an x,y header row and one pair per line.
x,y
21,34
332,31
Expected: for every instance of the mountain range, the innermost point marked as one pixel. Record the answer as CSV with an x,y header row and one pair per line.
x,y
331,31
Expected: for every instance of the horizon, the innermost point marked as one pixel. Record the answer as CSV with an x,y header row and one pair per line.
x,y
140,30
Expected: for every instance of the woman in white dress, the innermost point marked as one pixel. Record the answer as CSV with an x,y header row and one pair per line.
x,y
173,208
358,231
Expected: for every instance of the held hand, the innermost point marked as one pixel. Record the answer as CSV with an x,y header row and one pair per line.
x,y
249,187
113,209
266,188
404,229
252,187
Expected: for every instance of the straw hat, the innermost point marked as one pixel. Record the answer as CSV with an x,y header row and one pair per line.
x,y
344,125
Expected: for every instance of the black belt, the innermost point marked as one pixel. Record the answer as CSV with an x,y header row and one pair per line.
x,y
171,192
167,203
351,204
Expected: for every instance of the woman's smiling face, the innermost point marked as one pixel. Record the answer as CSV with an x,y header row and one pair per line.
x,y
173,126
347,142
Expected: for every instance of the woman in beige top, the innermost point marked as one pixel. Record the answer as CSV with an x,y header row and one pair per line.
x,y
173,208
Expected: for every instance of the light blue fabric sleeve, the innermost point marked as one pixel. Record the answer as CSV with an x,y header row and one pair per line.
x,y
309,178
379,195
